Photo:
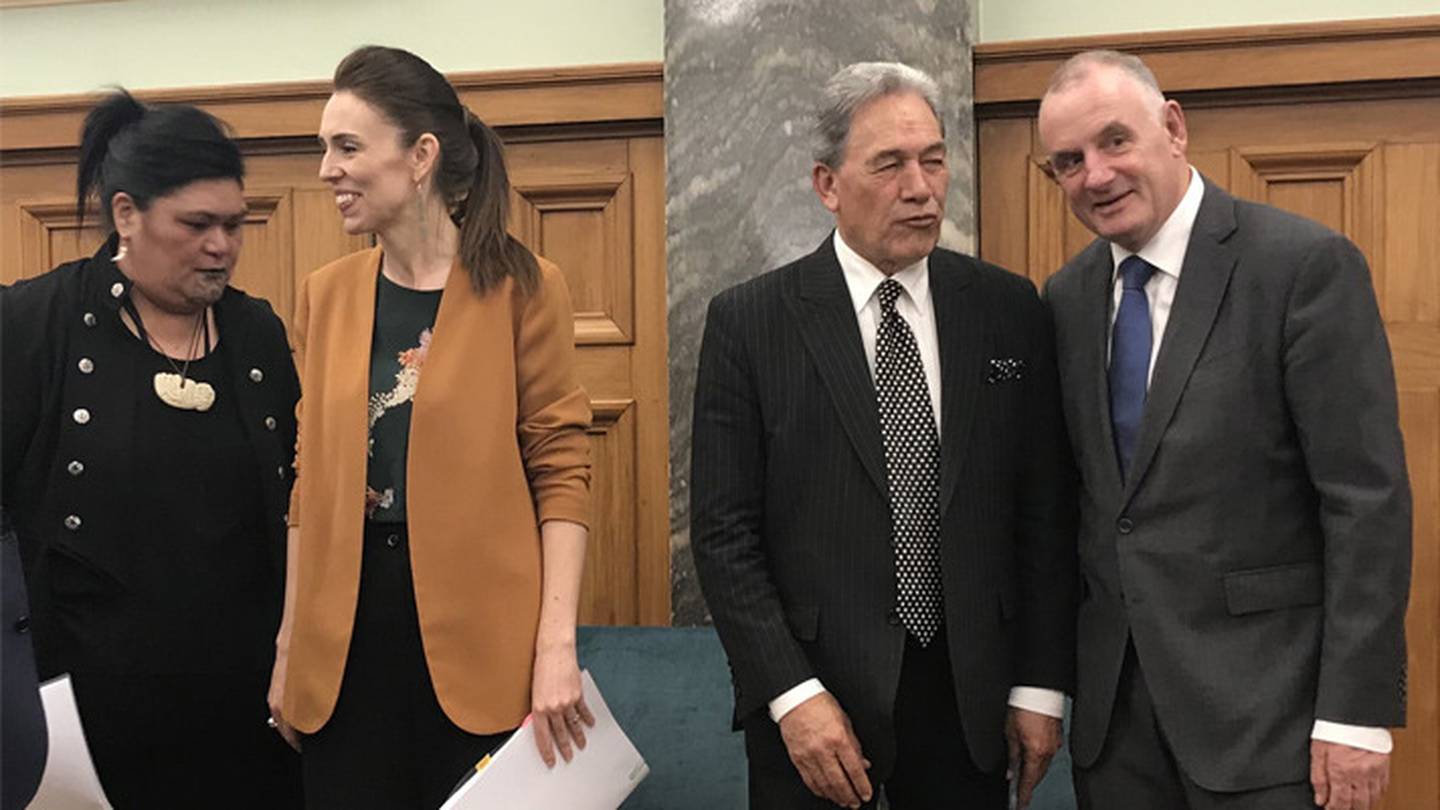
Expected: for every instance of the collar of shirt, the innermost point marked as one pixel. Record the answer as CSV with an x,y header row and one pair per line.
x,y
1166,249
863,278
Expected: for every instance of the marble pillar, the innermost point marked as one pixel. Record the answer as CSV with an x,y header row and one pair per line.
x,y
742,80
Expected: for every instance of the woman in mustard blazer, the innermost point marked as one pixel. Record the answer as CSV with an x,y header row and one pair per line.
x,y
438,523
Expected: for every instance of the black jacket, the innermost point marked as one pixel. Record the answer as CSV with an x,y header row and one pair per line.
x,y
23,740
67,414
790,520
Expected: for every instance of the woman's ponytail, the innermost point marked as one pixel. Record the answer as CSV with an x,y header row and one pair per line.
x,y
486,248
102,125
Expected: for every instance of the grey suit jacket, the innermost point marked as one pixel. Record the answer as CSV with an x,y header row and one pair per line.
x,y
790,517
1259,554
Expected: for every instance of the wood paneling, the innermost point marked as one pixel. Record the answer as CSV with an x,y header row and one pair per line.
x,y
511,98
1338,122
586,156
1252,58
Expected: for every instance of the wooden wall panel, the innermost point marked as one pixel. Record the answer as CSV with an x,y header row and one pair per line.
x,y
586,156
1416,748
1353,142
575,203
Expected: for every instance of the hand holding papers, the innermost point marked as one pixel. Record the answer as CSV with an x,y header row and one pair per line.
x,y
597,778
70,781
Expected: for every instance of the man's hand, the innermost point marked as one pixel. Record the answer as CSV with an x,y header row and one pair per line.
x,y
1033,739
826,752
1347,778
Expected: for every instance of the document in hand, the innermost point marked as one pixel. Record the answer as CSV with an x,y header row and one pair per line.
x,y
598,778
69,781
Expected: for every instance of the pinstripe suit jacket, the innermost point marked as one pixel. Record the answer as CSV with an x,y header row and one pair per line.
x,y
790,516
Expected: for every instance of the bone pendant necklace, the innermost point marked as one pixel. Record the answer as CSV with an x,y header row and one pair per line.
x,y
174,387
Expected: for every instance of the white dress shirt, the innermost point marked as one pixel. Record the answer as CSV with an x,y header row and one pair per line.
x,y
1166,252
918,309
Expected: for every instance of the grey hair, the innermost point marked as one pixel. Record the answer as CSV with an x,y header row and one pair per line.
x,y
855,85
1080,65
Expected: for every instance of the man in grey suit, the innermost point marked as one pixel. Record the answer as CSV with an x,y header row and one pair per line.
x,y
1245,511
882,499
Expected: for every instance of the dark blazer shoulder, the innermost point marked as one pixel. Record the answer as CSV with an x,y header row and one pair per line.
x,y
771,286
1278,227
1068,277
254,312
34,298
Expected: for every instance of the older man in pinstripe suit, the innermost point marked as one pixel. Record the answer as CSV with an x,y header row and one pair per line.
x,y
882,513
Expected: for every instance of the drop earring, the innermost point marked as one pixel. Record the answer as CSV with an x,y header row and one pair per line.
x,y
123,251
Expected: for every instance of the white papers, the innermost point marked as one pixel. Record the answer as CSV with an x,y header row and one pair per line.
x,y
69,781
598,778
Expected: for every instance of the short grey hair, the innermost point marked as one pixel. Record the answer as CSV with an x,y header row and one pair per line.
x,y
851,88
1081,64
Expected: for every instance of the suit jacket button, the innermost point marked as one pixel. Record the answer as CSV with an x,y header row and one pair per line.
x,y
72,522
81,416
89,319
22,624
86,365
393,540
1125,525
893,618
256,375
270,423
75,467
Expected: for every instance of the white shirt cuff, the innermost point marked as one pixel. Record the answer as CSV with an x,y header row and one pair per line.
x,y
794,696
1363,737
1041,701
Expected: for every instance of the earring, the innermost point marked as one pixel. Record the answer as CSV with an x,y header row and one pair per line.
x,y
124,249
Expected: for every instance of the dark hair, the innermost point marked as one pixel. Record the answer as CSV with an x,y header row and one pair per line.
x,y
147,152
471,176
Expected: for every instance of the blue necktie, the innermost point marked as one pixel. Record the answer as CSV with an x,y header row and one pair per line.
x,y
1130,342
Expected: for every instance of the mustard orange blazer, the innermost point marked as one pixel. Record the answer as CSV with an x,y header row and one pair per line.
x,y
497,446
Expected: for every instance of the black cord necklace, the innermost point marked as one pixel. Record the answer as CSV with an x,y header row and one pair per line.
x,y
177,389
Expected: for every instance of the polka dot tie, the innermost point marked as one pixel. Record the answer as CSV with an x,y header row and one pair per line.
x,y
912,469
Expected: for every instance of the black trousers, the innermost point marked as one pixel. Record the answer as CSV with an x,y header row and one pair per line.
x,y
1137,769
933,768
171,740
388,745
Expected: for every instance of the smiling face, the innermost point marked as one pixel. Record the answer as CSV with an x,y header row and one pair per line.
x,y
183,248
372,173
1118,151
888,193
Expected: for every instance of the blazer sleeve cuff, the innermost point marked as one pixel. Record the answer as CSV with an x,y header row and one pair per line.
x,y
1364,737
570,504
1048,702
793,697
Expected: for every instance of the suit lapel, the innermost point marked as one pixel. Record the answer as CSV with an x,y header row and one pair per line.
x,y
1096,289
960,329
827,325
1209,262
